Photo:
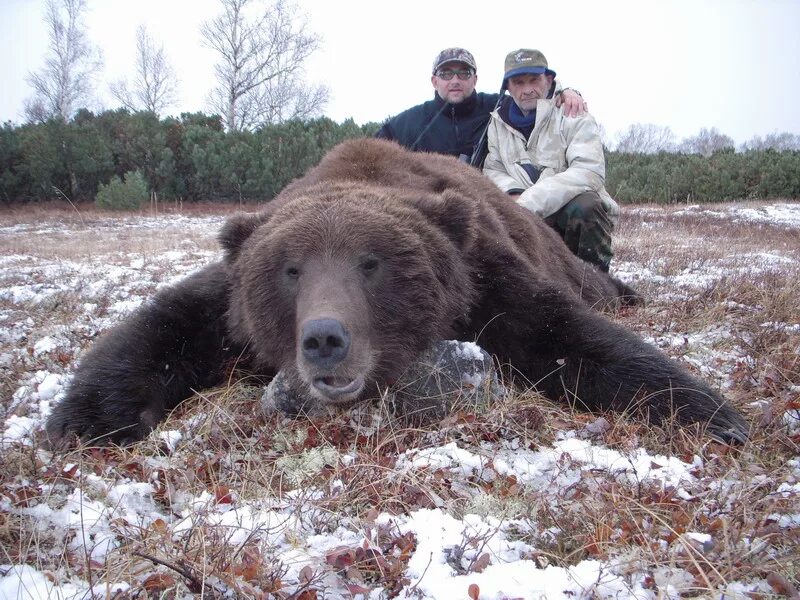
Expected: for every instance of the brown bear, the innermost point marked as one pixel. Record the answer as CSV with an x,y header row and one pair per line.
x,y
355,269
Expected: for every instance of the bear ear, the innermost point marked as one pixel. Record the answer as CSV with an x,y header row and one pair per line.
x,y
454,214
235,232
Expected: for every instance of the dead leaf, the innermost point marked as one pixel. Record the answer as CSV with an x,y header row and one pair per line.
x,y
473,591
222,494
782,586
484,560
158,582
306,574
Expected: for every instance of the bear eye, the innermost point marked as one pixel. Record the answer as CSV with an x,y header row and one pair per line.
x,y
369,265
292,272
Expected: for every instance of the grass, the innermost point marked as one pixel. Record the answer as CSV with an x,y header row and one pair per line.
x,y
737,327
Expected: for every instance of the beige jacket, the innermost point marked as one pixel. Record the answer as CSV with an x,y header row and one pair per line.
x,y
567,150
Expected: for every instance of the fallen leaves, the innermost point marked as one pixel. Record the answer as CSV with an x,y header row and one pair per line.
x,y
366,567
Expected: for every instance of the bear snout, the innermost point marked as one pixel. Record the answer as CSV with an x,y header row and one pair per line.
x,y
325,346
325,342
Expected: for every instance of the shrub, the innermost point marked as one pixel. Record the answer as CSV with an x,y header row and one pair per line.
x,y
119,195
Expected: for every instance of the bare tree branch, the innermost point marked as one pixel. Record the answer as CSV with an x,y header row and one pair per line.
x,y
774,141
646,138
65,83
706,142
155,87
260,74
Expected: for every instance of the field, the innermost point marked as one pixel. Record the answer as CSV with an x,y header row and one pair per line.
x,y
525,498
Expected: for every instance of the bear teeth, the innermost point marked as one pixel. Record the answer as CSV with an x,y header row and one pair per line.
x,y
335,386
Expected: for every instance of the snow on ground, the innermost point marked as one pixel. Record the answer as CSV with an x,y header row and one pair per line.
x,y
104,289
785,215
778,214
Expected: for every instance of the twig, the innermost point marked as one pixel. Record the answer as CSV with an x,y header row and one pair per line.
x,y
421,577
178,569
63,195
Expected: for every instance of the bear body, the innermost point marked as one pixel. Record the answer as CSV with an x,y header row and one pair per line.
x,y
353,271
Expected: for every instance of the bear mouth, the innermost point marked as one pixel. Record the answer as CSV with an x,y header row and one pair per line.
x,y
339,388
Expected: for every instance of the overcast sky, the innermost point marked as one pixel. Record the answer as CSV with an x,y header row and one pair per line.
x,y
729,64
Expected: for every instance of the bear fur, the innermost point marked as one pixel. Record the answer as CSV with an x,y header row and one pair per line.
x,y
354,270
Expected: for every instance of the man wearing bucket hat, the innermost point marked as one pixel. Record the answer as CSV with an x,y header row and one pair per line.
x,y
551,163
454,121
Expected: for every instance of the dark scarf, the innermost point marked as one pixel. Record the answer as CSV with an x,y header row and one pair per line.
x,y
522,123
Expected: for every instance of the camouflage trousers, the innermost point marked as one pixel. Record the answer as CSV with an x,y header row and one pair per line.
x,y
585,227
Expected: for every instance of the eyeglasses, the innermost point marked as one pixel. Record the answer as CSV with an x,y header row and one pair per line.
x,y
447,74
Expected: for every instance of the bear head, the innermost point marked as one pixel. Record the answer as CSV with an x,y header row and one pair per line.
x,y
342,284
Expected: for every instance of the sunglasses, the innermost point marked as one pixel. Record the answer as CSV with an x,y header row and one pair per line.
x,y
448,74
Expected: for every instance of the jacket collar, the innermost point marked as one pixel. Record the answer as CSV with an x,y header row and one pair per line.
x,y
543,108
462,108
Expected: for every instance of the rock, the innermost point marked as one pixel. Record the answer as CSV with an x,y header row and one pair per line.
x,y
447,376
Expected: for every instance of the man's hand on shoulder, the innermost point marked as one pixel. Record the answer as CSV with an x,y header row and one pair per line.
x,y
573,102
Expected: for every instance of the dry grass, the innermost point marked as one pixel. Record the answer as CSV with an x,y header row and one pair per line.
x,y
90,235
343,469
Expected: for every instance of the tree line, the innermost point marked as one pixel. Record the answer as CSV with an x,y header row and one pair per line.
x,y
193,158
266,129
648,138
189,158
672,177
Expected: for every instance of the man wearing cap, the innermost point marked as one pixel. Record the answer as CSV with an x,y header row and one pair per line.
x,y
549,162
453,122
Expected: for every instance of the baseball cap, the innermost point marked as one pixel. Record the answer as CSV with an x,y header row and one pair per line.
x,y
454,55
524,61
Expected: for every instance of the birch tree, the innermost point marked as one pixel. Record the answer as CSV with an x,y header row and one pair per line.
x,y
66,81
773,141
706,142
262,50
155,85
646,138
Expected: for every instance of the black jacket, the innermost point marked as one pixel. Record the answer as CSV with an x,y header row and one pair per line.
x,y
455,131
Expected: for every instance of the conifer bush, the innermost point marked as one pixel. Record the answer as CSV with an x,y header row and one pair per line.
x,y
123,195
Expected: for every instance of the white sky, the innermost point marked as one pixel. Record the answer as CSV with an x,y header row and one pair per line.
x,y
729,64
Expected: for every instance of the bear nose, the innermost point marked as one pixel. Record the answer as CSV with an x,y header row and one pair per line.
x,y
325,343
